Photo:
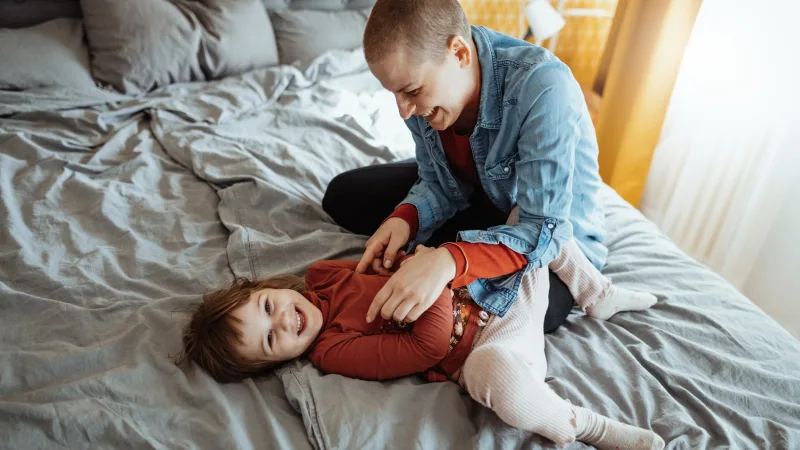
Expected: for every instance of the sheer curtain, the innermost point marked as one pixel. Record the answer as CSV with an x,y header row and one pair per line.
x,y
726,165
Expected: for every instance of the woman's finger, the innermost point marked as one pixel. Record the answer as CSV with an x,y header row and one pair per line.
x,y
421,307
401,312
395,243
373,249
377,303
377,267
415,312
394,300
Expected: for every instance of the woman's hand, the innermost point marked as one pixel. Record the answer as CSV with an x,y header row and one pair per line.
x,y
383,246
415,286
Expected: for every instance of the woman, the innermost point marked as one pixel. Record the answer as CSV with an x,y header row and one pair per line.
x,y
499,124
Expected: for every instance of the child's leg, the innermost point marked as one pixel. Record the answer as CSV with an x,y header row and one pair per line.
x,y
515,342
506,372
500,378
591,289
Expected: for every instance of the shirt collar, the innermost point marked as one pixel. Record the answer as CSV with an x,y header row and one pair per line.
x,y
490,109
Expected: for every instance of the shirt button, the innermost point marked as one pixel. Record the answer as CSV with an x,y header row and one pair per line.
x,y
550,226
506,169
483,315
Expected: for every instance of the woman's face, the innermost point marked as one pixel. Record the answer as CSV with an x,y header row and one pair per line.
x,y
438,91
277,325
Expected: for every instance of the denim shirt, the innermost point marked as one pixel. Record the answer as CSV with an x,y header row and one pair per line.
x,y
534,146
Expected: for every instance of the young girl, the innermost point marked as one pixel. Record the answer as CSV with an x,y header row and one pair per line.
x,y
251,327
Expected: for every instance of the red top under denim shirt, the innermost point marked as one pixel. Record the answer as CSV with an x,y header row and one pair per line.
x,y
462,163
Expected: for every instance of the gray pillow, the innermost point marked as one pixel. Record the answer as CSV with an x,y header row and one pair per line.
x,y
140,45
49,54
305,34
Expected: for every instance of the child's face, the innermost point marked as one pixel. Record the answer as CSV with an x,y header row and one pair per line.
x,y
277,325
439,92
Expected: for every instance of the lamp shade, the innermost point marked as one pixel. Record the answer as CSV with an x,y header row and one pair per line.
x,y
545,21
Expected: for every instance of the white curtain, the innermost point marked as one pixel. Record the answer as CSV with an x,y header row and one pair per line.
x,y
728,153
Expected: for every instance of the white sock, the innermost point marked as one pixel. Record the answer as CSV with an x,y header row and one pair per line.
x,y
608,434
619,299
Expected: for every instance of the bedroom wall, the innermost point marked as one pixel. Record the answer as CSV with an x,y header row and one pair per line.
x,y
580,43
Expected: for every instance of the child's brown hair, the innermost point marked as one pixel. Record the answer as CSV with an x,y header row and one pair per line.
x,y
209,338
424,27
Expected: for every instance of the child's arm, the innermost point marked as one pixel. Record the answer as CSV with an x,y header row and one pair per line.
x,y
386,356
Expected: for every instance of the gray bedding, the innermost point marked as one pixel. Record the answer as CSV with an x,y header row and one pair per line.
x,y
118,213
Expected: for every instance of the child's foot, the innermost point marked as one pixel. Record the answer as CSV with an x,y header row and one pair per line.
x,y
619,299
606,434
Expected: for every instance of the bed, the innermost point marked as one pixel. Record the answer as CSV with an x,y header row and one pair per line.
x,y
119,210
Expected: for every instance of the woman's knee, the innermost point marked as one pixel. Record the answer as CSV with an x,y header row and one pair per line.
x,y
335,193
560,304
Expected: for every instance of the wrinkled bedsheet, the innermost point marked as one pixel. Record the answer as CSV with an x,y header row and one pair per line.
x,y
119,212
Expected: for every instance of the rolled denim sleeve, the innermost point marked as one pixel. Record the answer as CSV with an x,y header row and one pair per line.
x,y
434,205
549,135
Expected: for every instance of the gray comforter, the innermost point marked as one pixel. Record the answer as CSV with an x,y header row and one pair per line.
x,y
118,213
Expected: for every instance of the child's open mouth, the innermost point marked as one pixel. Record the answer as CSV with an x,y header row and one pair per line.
x,y
301,321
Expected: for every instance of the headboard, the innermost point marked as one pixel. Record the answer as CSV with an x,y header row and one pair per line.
x,y
25,13
331,5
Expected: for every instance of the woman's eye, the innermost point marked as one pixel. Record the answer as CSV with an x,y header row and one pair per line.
x,y
267,308
414,92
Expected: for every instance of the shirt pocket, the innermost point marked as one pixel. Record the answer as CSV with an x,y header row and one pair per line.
x,y
503,169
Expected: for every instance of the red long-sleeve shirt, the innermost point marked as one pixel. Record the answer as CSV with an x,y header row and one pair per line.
x,y
349,346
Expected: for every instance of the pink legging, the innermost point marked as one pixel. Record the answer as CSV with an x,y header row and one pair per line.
x,y
506,369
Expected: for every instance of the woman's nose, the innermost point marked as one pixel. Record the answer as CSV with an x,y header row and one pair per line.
x,y
405,107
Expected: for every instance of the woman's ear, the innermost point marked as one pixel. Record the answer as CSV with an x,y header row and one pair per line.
x,y
458,46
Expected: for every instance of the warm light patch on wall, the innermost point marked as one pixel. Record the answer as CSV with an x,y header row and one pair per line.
x,y
499,15
580,44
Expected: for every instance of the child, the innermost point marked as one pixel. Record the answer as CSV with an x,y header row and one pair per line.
x,y
251,327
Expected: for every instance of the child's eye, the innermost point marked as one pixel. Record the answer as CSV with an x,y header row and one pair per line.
x,y
269,339
267,308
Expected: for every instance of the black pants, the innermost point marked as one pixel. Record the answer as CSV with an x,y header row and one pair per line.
x,y
361,199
